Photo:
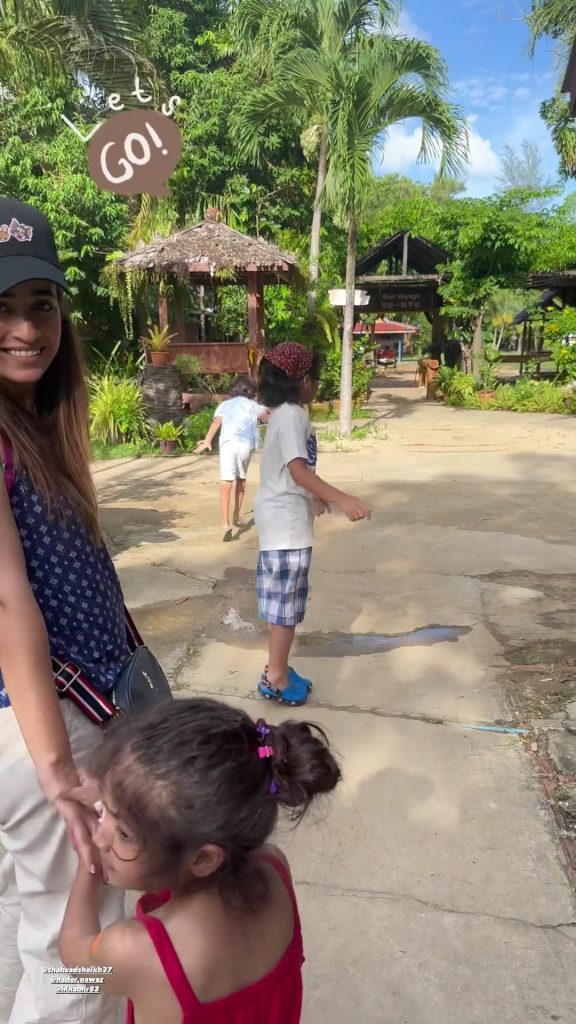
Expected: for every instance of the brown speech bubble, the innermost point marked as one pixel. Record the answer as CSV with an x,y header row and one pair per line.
x,y
135,152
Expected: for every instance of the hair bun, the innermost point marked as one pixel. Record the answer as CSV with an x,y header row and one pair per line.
x,y
303,765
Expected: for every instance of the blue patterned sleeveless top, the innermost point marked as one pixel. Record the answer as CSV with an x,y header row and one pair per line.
x,y
76,587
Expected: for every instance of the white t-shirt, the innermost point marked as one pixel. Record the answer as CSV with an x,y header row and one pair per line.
x,y
239,420
284,512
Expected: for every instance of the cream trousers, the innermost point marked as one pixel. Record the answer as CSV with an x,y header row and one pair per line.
x,y
37,867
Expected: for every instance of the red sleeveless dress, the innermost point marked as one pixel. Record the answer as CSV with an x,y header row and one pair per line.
x,y
274,999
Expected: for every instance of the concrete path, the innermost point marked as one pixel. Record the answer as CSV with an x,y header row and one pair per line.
x,y
431,887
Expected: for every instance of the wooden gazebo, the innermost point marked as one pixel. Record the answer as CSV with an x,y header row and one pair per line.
x,y
401,275
211,254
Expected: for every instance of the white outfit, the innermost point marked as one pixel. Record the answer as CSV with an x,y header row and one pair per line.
x,y
39,858
284,512
238,435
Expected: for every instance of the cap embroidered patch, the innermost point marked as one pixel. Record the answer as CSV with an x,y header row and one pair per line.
x,y
21,232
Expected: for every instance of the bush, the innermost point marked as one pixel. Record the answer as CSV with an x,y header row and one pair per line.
x,y
196,427
331,371
116,410
532,396
457,388
564,357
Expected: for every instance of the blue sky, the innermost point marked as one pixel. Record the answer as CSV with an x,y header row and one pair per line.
x,y
495,81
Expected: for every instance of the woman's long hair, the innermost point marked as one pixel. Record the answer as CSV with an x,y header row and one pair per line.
x,y
53,444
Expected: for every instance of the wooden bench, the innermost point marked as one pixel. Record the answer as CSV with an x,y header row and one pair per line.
x,y
525,357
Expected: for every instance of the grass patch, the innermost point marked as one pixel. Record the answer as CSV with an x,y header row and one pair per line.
x,y
331,415
126,450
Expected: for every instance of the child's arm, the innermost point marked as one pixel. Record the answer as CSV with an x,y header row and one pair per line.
x,y
206,444
303,477
82,943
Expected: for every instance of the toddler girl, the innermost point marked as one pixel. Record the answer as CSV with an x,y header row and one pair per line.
x,y
290,495
237,419
189,794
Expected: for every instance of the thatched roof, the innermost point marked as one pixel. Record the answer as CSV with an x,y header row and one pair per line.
x,y
210,250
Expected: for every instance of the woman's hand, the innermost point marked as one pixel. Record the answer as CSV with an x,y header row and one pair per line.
x,y
80,822
73,796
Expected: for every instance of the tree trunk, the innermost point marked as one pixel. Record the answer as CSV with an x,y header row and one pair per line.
x,y
477,345
348,333
317,223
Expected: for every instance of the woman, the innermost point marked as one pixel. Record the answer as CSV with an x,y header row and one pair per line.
x,y
59,596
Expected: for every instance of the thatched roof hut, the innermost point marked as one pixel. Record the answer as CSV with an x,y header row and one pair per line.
x,y
210,253
210,250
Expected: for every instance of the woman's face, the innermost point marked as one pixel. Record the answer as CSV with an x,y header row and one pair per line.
x,y
30,328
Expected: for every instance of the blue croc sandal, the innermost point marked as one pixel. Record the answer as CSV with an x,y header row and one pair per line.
x,y
294,694
293,677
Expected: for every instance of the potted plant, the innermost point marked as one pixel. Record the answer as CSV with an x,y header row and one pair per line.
x,y
157,344
190,369
168,435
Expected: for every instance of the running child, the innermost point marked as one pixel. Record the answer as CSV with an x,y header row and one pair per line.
x,y
237,418
188,796
289,497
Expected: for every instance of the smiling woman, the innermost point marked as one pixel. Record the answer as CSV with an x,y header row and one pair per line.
x,y
59,599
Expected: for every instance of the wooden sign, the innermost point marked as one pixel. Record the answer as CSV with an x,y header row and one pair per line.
x,y
391,299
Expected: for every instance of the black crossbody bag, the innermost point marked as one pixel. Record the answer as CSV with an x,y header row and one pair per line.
x,y
140,685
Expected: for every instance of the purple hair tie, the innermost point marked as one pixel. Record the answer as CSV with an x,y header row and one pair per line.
x,y
265,750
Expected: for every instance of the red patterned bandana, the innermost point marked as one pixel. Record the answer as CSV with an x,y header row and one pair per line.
x,y
295,360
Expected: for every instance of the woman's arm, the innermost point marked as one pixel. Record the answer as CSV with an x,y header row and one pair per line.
x,y
207,442
303,477
29,682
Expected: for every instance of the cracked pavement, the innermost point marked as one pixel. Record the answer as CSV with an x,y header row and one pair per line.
x,y
431,886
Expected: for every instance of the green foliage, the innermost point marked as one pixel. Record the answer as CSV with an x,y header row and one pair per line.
x,y
564,357
168,431
526,395
362,374
457,388
489,368
122,362
158,339
190,369
196,427
116,409
530,396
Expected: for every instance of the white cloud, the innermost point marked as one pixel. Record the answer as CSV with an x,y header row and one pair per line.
x,y
403,145
408,27
521,94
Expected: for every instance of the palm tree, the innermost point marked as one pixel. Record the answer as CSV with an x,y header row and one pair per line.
x,y
360,80
556,19
53,39
279,35
382,80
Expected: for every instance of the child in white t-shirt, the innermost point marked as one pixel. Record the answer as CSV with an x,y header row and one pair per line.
x,y
237,418
289,497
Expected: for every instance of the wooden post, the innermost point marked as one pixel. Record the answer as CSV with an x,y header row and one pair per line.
x,y
179,319
405,255
163,310
255,311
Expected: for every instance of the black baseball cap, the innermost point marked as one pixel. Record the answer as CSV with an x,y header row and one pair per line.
x,y
27,246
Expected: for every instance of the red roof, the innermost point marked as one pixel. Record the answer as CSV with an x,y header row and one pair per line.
x,y
385,327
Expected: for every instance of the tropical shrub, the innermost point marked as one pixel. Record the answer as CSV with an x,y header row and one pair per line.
x,y
457,388
195,428
117,411
362,374
564,357
168,432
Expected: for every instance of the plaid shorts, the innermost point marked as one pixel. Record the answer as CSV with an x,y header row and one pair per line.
x,y
282,585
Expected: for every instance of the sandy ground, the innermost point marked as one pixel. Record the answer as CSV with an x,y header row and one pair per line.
x,y
432,888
